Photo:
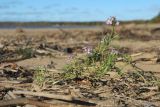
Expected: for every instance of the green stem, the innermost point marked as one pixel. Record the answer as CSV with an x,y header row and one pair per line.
x,y
113,31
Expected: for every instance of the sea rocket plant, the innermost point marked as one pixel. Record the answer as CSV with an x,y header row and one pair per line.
x,y
99,60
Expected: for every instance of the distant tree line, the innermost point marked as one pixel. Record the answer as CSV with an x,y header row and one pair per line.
x,y
43,24
156,19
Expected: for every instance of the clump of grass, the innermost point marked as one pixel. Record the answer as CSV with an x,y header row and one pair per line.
x,y
98,61
26,52
40,75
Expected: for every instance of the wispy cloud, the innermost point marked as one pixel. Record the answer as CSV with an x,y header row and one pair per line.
x,y
154,8
50,6
5,5
22,13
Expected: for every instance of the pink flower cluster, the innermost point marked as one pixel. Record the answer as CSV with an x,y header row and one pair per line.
x,y
88,50
70,57
112,21
114,51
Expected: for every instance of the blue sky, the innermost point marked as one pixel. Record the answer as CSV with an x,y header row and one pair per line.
x,y
77,10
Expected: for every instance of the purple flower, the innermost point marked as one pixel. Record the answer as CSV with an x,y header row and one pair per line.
x,y
88,50
108,22
114,51
112,21
70,57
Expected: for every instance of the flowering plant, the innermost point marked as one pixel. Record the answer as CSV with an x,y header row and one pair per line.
x,y
98,61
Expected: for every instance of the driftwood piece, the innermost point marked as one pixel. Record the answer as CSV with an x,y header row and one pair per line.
x,y
136,54
65,98
11,95
42,94
12,59
24,101
145,59
10,82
